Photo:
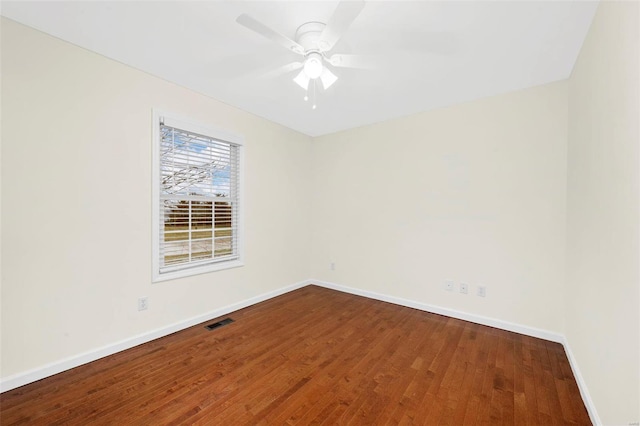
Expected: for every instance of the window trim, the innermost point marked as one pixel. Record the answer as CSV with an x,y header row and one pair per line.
x,y
207,130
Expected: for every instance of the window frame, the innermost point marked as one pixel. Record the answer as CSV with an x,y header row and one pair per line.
x,y
215,133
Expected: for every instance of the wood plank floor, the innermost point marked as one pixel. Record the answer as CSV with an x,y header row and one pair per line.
x,y
315,356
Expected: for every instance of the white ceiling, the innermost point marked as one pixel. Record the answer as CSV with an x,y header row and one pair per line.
x,y
430,53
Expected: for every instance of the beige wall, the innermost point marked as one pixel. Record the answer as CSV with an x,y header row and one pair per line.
x,y
473,193
602,244
76,199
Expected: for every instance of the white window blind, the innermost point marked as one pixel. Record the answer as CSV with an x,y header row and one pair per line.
x,y
199,199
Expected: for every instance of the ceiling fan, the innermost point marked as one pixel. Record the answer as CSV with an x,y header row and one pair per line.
x,y
314,42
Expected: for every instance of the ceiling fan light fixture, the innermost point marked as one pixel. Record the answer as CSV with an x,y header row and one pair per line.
x,y
327,78
313,40
302,80
313,65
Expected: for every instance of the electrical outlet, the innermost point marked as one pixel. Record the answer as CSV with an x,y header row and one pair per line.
x,y
482,291
143,303
332,266
448,285
464,288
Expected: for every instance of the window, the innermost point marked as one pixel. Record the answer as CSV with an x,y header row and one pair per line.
x,y
196,199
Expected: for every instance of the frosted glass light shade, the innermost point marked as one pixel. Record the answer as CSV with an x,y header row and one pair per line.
x,y
313,65
302,80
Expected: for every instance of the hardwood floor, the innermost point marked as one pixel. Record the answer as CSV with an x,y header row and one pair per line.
x,y
315,356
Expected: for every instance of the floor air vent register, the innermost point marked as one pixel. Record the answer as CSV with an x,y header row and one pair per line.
x,y
218,324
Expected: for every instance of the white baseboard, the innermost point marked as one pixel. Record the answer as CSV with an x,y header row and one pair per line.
x,y
20,379
478,319
584,392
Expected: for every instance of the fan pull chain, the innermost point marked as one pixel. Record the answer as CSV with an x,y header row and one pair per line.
x,y
314,95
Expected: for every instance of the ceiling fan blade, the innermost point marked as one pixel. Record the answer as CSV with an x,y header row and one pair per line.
x,y
302,80
260,28
327,78
285,69
354,61
245,64
419,42
344,15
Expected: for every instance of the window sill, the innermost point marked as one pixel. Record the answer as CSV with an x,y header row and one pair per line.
x,y
188,272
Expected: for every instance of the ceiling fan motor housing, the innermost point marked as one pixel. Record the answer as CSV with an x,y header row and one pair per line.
x,y
308,36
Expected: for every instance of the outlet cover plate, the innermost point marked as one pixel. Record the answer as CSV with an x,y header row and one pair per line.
x,y
143,303
449,285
